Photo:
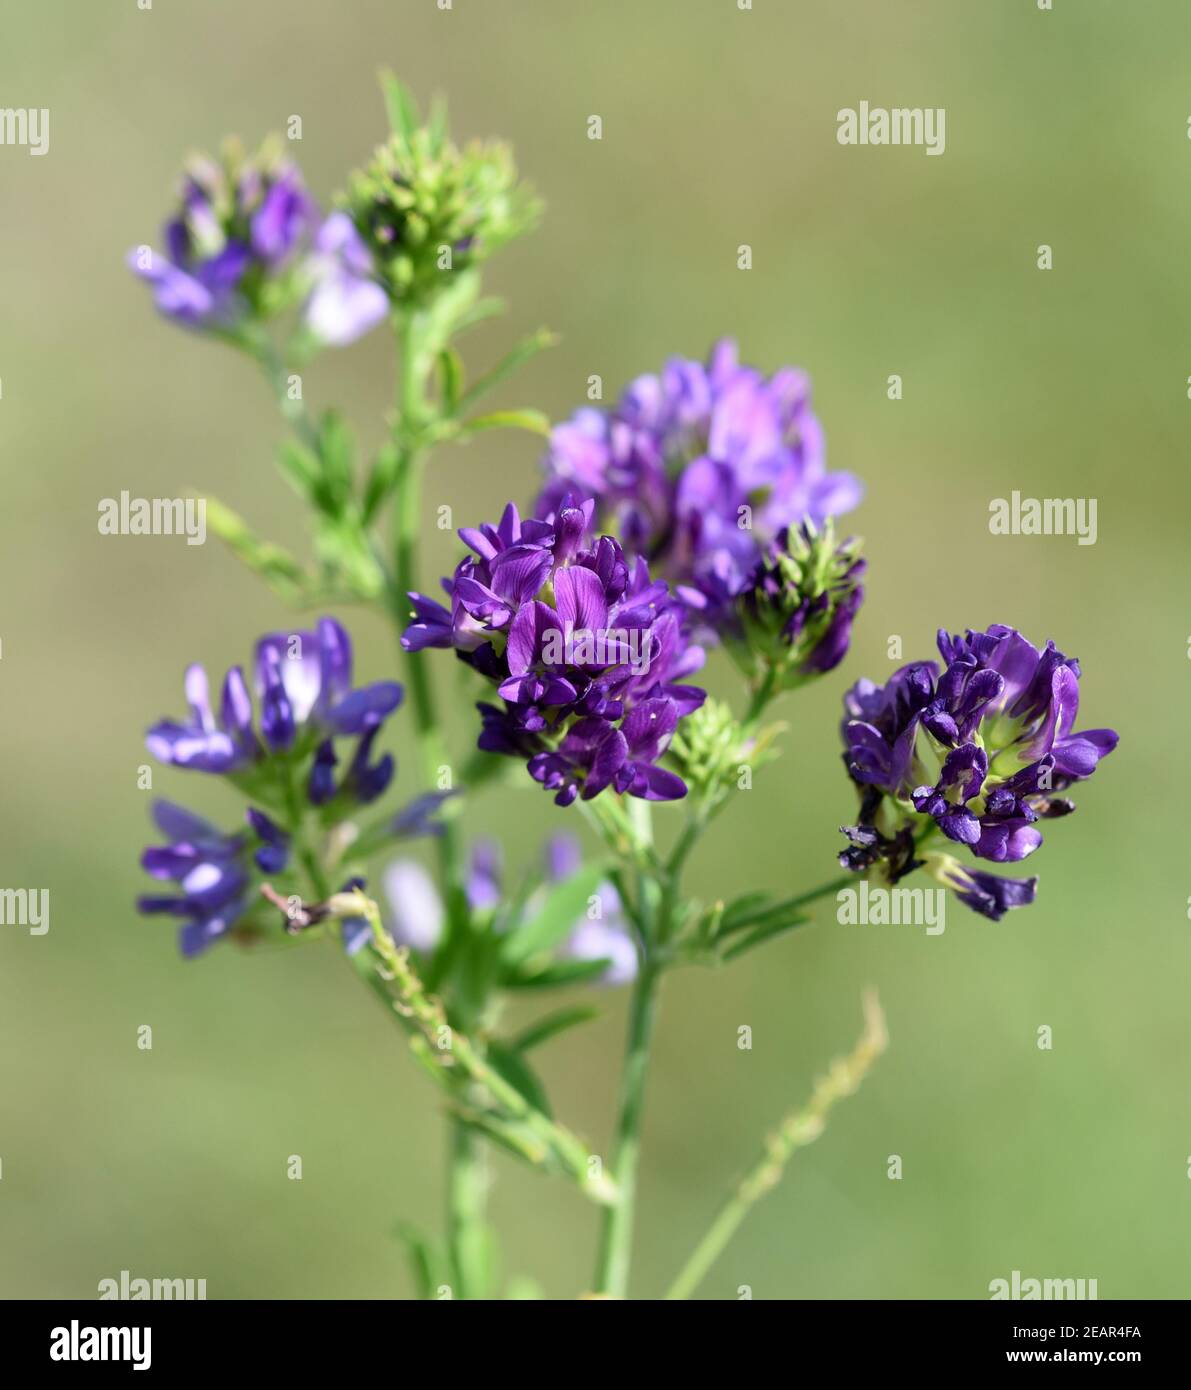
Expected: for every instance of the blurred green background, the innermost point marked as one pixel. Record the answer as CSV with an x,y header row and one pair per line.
x,y
1067,128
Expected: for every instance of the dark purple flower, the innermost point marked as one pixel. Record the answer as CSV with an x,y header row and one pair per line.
x,y
976,752
696,470
588,653
989,894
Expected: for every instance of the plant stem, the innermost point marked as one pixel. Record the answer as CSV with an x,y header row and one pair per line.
x,y
616,1233
387,968
467,1184
466,1180
797,1130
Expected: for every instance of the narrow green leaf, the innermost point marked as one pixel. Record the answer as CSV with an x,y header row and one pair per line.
x,y
300,468
276,566
509,1134
450,369
558,974
551,1025
517,1072
565,904
381,481
535,421
399,105
436,126
422,1259
522,353
765,932
338,451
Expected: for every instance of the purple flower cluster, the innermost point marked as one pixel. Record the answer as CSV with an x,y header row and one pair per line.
x,y
586,651
246,237
282,754
305,701
977,752
698,468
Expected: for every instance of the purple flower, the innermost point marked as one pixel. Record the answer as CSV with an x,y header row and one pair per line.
x,y
305,701
976,753
586,651
415,914
346,301
697,469
992,895
212,871
238,228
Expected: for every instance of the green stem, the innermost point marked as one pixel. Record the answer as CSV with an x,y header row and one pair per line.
x,y
762,695
389,972
466,1180
616,1234
467,1185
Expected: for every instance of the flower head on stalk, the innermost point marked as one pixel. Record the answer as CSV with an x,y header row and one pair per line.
x,y
415,915
247,241
793,619
425,208
283,752
305,701
587,652
976,752
698,469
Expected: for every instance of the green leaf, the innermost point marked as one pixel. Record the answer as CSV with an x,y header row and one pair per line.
x,y
743,911
338,453
344,550
423,1259
772,927
551,1025
300,468
276,566
558,973
381,481
535,421
400,106
511,1135
565,904
522,353
436,126
519,1074
450,371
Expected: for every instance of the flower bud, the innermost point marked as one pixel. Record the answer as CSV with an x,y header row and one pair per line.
x,y
795,615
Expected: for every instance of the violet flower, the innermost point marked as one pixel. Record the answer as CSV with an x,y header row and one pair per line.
x,y
977,753
247,241
238,228
212,870
346,301
587,652
698,469
305,701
